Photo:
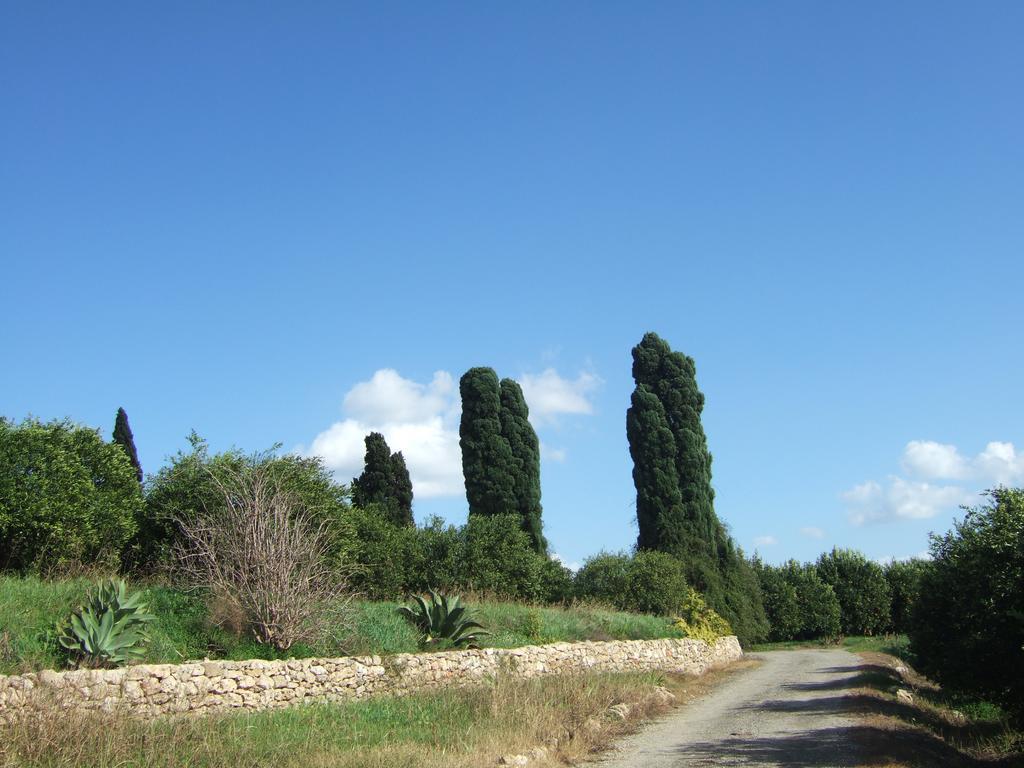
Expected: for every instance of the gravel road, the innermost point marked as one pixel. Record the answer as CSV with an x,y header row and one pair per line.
x,y
787,712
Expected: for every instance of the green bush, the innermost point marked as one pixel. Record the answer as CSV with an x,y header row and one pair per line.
x,y
904,579
860,586
557,582
967,624
603,578
499,558
66,496
800,605
654,584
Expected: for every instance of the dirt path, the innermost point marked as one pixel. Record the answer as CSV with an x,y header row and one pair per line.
x,y
787,712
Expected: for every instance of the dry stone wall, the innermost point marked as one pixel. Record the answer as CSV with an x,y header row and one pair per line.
x,y
209,686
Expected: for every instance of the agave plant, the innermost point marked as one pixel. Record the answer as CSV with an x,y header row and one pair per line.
x,y
443,621
110,630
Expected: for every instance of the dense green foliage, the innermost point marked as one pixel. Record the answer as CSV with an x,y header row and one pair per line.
x,y
659,504
110,630
649,582
904,580
487,462
861,588
671,377
443,622
490,554
967,625
66,496
384,483
188,486
800,606
525,446
123,436
500,452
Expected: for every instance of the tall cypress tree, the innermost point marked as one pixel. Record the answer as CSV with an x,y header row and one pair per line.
x,y
693,533
401,490
522,439
659,505
672,378
123,436
384,482
487,462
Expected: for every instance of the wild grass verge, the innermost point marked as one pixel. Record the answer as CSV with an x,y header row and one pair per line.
x,y
567,717
187,628
912,723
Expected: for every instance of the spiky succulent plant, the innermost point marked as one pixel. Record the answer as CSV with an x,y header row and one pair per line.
x,y
443,621
110,630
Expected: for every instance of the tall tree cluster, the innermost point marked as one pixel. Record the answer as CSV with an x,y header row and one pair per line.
x,y
500,451
675,503
671,461
385,482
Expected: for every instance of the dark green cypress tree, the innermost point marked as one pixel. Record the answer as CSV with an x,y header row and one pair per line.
x,y
672,377
123,436
522,439
659,505
487,462
401,490
384,482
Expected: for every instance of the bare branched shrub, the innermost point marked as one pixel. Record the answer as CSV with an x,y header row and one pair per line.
x,y
258,549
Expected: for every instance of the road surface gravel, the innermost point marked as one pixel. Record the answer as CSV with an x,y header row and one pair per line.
x,y
790,711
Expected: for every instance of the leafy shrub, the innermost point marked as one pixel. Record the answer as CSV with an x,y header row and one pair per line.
x,y
699,621
603,578
110,630
654,584
742,603
498,557
443,622
967,624
861,588
799,604
66,496
904,579
557,583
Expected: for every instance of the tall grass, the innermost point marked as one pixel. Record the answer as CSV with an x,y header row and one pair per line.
x,y
462,727
185,628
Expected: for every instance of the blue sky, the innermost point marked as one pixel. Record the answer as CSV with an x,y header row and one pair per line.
x,y
289,222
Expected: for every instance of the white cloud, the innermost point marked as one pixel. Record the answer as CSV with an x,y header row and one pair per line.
x,y
813,532
913,497
1000,464
900,499
765,541
550,453
931,460
549,395
420,420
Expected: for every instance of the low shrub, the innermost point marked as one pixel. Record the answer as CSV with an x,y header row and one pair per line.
x,y
699,621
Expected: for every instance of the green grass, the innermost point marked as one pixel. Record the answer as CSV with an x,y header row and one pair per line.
x,y
31,607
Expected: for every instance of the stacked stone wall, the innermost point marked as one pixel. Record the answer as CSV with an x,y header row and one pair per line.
x,y
209,686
